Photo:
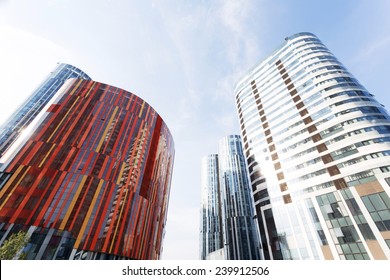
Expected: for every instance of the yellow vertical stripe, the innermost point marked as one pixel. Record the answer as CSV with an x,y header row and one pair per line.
x,y
76,87
47,155
63,118
71,206
74,103
118,223
106,130
144,232
142,108
90,89
88,216
121,174
9,183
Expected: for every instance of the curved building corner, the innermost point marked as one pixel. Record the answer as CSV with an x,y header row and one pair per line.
x,y
317,145
92,180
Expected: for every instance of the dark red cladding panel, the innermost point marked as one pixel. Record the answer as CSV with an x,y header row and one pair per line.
x,y
53,108
151,159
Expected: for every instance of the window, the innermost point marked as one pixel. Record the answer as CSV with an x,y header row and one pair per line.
x,y
378,205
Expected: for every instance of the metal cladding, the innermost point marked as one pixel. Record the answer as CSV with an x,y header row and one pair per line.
x,y
92,181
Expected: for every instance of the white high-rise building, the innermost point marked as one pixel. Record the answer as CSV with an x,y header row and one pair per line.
x,y
317,145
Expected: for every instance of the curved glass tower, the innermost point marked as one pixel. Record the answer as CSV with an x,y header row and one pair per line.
x,y
92,179
29,110
227,229
240,235
317,144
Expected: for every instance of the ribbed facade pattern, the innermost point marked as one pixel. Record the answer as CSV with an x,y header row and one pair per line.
x,y
227,227
240,235
93,179
317,145
29,110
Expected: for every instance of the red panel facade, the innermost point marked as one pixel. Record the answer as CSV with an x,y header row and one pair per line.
x,y
93,179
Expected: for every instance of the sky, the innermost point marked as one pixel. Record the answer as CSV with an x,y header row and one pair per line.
x,y
184,58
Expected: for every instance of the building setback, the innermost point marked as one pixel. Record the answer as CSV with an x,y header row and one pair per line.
x,y
317,145
227,206
92,180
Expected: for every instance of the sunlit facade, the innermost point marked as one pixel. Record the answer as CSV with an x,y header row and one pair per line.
x,y
29,110
317,145
92,180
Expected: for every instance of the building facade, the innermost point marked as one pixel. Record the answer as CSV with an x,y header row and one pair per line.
x,y
92,180
228,230
29,110
317,145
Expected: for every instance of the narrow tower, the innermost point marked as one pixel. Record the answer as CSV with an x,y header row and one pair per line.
x,y
240,236
211,235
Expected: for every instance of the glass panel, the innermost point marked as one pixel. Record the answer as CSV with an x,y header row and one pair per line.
x,y
385,215
346,249
375,217
362,219
380,226
377,202
359,257
342,222
361,247
354,247
331,198
385,198
368,204
387,224
335,224
366,231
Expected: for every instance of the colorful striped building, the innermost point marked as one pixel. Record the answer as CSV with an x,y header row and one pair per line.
x,y
92,178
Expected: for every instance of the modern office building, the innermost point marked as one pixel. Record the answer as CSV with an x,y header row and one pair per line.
x,y
26,113
228,229
92,179
317,145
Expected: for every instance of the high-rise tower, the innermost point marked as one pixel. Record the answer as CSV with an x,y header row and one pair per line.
x,y
29,110
92,179
240,235
317,145
227,207
211,235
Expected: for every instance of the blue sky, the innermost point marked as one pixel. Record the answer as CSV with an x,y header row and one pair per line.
x,y
184,58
